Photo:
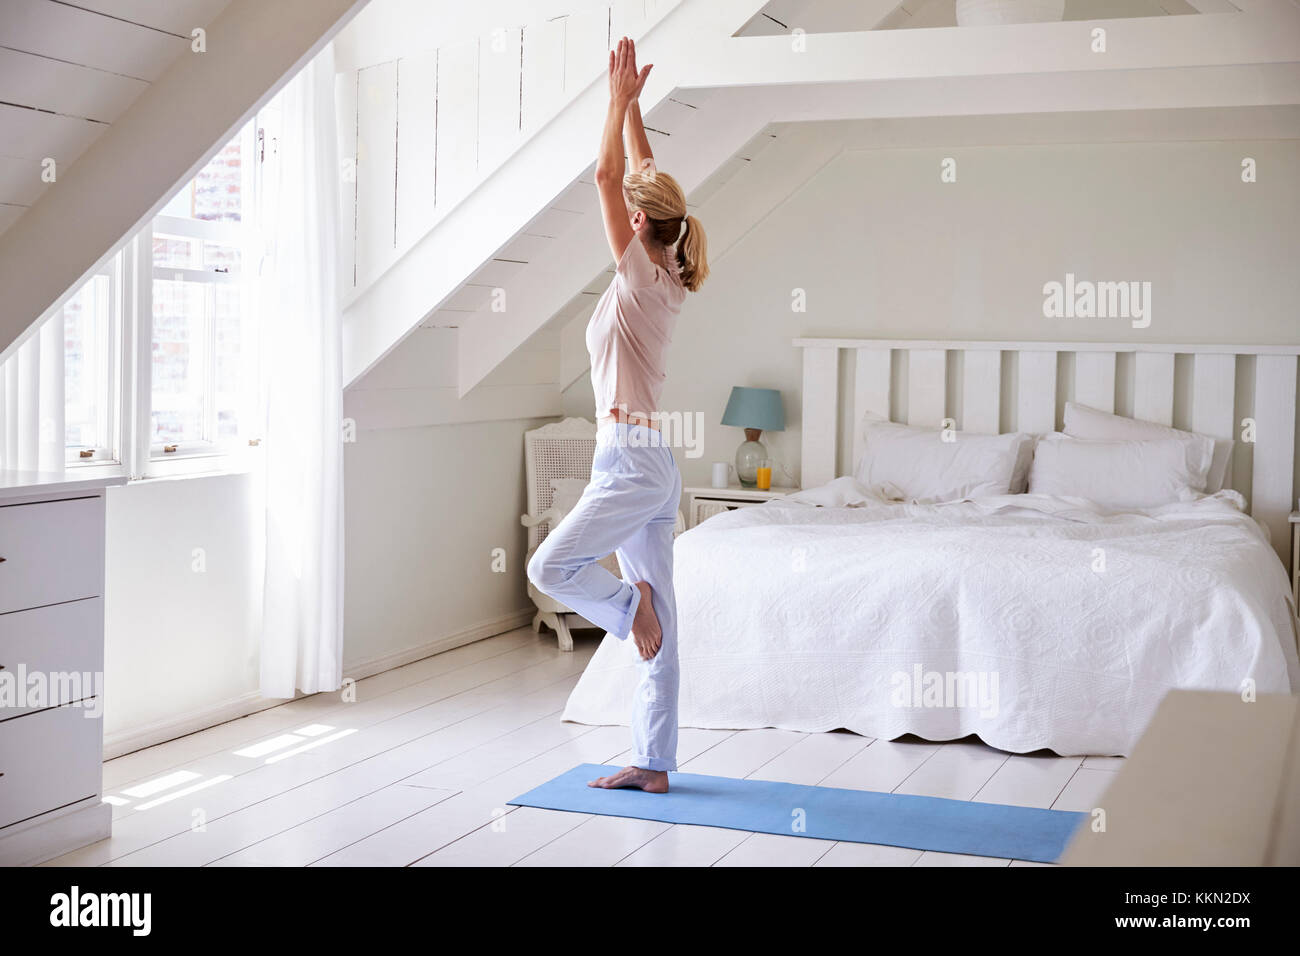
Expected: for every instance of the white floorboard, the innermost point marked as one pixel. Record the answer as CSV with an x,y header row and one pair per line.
x,y
868,854
935,858
507,840
957,771
881,765
811,759
1029,780
597,841
419,768
1084,791
317,838
769,849
682,845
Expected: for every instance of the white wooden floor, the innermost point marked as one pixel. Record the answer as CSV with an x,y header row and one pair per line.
x,y
417,771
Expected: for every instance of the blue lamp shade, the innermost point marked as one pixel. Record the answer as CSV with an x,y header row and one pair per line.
x,y
759,408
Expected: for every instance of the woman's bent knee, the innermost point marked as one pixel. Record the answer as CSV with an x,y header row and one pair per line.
x,y
545,572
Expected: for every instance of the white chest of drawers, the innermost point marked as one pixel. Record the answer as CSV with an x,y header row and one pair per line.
x,y
51,665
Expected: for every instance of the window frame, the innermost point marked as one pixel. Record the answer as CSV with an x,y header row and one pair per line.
x,y
112,395
211,452
130,392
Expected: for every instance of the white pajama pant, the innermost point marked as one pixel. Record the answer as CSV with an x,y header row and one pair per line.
x,y
629,508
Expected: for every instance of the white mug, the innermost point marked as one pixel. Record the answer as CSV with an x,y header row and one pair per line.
x,y
722,473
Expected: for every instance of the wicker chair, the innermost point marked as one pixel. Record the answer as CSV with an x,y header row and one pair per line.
x,y
557,459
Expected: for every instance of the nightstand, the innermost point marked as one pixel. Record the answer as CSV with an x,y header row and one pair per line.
x,y
1295,557
703,501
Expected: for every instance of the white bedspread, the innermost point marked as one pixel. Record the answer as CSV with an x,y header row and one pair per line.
x,y
1062,624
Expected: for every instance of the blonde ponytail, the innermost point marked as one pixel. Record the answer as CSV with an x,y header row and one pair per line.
x,y
692,254
661,198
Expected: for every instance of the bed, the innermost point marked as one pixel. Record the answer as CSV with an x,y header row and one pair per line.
x,y
1033,621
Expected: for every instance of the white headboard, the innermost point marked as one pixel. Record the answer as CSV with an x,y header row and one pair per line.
x,y
995,387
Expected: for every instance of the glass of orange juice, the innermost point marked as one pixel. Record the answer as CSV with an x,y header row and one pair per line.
x,y
765,474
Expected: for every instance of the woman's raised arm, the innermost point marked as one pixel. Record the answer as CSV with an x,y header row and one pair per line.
x,y
624,84
638,146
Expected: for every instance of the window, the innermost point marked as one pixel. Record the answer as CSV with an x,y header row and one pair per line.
x,y
203,344
161,358
90,362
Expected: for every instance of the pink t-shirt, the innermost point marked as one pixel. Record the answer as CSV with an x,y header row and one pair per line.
x,y
629,333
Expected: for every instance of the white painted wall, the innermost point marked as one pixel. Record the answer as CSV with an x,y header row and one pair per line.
x,y
434,483
180,641
424,509
883,248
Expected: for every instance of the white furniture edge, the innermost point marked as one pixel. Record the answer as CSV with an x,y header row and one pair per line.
x,y
735,494
85,821
1178,800
20,487
55,833
1036,403
738,492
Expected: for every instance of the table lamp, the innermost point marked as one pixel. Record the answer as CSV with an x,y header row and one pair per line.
x,y
756,410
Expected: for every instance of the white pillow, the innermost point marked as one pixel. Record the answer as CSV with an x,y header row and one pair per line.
x,y
916,464
1084,422
1119,475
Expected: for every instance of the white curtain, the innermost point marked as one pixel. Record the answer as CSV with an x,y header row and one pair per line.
x,y
302,617
31,402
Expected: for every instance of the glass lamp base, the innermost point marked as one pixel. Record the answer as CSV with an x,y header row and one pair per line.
x,y
748,455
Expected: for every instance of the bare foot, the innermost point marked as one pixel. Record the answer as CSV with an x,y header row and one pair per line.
x,y
651,781
646,633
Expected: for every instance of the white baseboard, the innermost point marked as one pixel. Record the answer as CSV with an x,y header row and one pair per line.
x,y
360,670
137,738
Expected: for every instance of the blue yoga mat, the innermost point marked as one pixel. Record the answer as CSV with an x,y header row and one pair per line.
x,y
824,813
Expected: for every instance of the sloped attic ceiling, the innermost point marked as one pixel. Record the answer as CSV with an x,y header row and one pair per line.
x,y
116,95
67,73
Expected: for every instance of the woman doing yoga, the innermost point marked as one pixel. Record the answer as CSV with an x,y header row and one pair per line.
x,y
630,505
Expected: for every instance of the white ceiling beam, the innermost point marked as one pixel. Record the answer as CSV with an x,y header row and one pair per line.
x,y
1273,84
1267,34
1029,129
780,17
159,143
